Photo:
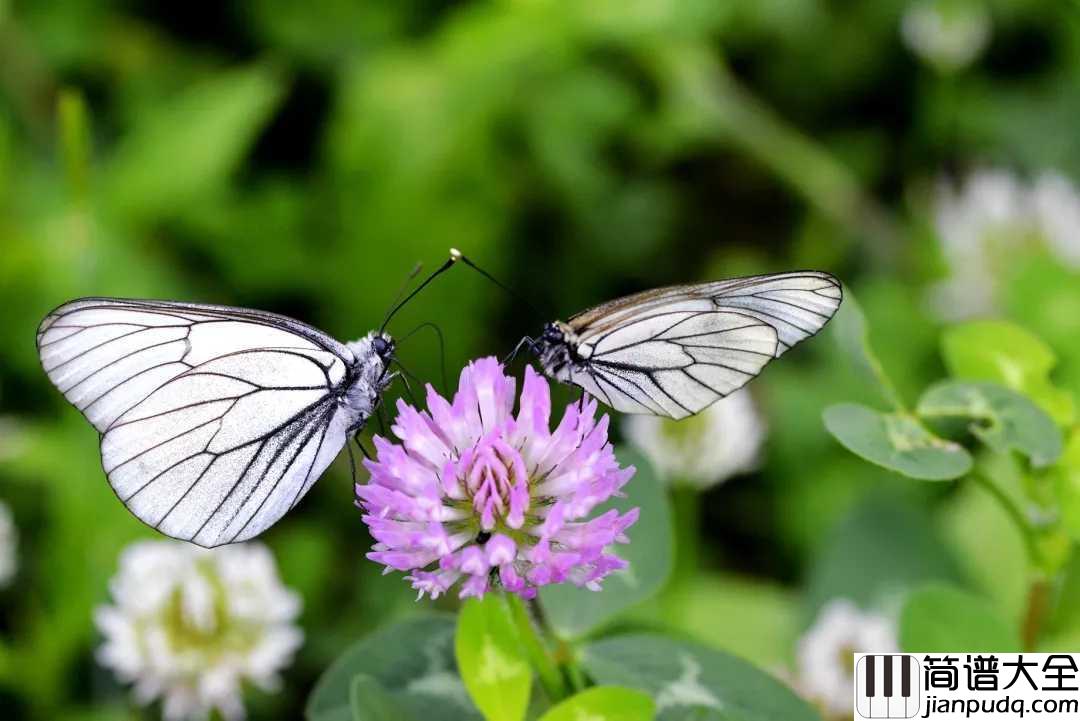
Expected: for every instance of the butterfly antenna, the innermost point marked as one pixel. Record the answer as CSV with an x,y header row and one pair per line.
x,y
454,257
442,347
513,294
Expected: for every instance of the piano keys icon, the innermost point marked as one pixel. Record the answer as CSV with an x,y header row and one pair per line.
x,y
887,686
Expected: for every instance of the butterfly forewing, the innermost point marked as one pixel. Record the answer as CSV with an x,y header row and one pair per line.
x,y
215,421
674,351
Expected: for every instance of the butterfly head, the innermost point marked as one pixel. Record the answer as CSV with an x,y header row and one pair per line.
x,y
556,349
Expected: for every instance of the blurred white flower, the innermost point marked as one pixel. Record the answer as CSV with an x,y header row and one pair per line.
x,y
188,625
722,441
946,34
9,545
986,221
824,673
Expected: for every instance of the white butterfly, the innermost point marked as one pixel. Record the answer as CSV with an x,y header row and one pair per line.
x,y
674,351
214,421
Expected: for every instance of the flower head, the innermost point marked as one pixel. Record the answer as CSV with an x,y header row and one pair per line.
x,y
477,494
985,223
188,625
824,671
722,441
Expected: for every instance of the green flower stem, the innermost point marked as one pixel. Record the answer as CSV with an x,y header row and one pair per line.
x,y
1038,601
1009,505
686,512
536,650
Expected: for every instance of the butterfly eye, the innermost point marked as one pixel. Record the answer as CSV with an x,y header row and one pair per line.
x,y
382,346
552,333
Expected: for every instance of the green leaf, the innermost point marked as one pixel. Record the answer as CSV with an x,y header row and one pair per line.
x,y
184,149
1008,354
941,618
689,681
896,441
493,663
412,661
1003,419
369,701
573,612
604,703
851,332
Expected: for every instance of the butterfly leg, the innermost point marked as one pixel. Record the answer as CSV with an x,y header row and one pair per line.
x,y
526,341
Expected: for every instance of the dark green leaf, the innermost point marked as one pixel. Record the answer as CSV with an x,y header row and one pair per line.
x,y
689,681
413,662
1001,418
896,441
369,701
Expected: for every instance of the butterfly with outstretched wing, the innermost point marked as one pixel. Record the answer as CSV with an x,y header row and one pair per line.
x,y
214,421
675,351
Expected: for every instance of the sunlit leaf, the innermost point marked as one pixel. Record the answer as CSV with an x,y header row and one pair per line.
x,y
573,611
1001,418
939,618
689,681
896,441
604,703
493,663
1008,354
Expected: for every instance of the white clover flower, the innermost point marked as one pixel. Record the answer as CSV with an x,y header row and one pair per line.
x,y
986,221
9,545
824,673
722,441
188,625
946,34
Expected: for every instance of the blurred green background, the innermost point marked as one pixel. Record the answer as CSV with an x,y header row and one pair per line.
x,y
303,157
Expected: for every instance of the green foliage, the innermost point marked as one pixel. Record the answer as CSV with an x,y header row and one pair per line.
x,y
572,611
493,664
689,681
303,157
937,619
604,703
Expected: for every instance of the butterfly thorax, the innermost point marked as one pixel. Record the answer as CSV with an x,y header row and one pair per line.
x,y
557,351
368,376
